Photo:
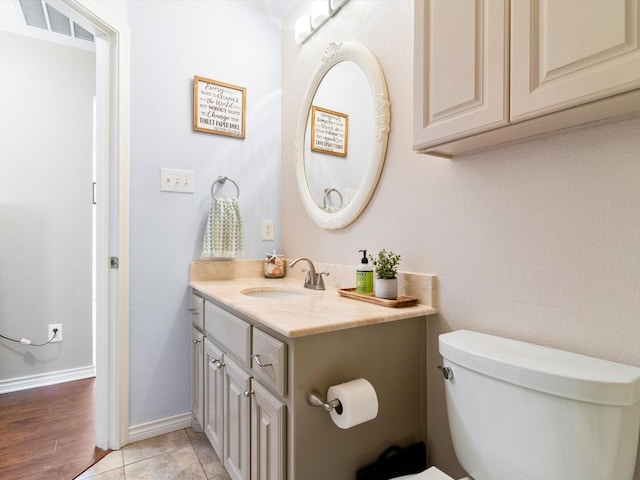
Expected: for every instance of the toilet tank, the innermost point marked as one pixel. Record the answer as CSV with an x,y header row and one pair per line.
x,y
519,411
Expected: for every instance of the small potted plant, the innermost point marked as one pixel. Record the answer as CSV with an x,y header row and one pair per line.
x,y
385,268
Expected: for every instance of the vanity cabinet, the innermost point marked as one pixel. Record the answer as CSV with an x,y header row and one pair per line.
x,y
493,72
244,421
257,376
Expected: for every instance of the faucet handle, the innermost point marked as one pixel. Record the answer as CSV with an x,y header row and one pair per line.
x,y
320,280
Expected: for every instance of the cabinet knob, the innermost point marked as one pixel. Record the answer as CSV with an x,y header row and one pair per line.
x,y
217,363
195,341
248,393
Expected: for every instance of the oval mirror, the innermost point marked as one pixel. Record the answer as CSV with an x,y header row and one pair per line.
x,y
341,137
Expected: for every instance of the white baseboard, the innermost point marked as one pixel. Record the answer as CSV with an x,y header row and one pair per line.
x,y
46,379
143,431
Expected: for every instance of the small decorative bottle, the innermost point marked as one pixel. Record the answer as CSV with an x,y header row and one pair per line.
x,y
274,266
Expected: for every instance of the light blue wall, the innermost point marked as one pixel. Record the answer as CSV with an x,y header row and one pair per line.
x,y
46,98
170,43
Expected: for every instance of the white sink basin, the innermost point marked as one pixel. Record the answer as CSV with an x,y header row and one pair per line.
x,y
273,292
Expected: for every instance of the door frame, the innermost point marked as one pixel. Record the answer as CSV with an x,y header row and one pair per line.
x,y
112,224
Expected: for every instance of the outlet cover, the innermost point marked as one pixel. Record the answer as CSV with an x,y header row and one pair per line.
x,y
267,230
58,337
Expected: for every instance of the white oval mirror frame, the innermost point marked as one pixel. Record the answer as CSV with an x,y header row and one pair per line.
x,y
364,58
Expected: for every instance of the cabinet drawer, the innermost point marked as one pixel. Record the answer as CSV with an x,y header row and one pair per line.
x,y
229,331
269,361
197,312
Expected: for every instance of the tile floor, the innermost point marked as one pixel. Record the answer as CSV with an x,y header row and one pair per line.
x,y
180,455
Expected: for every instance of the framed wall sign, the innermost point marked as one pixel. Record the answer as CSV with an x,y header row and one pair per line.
x,y
329,131
218,107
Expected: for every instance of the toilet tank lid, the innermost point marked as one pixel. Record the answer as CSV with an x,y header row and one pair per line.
x,y
545,369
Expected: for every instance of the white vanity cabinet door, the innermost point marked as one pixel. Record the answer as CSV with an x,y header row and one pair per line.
x,y
460,69
268,417
197,379
214,396
237,424
566,53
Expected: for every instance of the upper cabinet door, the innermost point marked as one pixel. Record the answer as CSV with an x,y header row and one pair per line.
x,y
460,70
566,53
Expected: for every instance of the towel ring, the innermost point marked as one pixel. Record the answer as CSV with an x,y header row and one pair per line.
x,y
222,181
327,192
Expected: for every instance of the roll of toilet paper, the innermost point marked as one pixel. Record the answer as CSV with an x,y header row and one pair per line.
x,y
359,403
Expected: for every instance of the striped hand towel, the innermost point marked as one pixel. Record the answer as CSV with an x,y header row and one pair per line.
x,y
223,237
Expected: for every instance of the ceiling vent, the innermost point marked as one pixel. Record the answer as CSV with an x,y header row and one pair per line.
x,y
42,15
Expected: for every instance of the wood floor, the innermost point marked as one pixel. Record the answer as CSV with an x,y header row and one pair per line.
x,y
48,432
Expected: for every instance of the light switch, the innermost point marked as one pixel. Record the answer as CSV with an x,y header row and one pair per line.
x,y
180,181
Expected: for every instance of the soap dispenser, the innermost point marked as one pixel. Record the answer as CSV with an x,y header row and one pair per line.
x,y
364,276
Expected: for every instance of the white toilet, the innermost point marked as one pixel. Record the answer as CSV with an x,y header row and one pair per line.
x,y
519,411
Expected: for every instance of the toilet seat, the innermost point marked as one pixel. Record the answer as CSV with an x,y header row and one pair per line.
x,y
431,473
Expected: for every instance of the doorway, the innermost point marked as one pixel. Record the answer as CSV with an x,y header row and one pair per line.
x,y
111,213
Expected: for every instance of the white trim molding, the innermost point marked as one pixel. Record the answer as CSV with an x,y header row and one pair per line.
x,y
112,139
143,431
46,379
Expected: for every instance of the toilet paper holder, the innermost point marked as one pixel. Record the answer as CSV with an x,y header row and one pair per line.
x,y
314,398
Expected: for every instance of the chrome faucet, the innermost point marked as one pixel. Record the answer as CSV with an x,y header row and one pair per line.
x,y
312,280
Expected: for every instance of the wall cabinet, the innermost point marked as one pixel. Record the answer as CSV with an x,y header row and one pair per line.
x,y
492,72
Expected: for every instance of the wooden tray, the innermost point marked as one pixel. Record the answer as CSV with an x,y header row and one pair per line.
x,y
402,300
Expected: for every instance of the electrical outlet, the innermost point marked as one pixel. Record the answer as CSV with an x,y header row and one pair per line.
x,y
267,230
58,337
180,181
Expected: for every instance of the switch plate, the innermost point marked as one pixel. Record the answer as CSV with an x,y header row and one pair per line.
x,y
174,180
58,333
267,230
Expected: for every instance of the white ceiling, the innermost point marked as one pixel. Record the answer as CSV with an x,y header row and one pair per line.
x,y
277,9
12,19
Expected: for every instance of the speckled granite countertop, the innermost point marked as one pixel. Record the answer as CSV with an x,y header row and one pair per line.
x,y
308,314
